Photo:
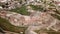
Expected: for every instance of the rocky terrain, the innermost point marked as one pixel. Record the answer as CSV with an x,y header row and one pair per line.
x,y
30,16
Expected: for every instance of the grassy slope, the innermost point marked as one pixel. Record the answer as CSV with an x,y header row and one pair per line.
x,y
5,25
22,10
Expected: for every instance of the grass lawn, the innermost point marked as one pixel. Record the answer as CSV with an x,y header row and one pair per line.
x,y
5,25
22,10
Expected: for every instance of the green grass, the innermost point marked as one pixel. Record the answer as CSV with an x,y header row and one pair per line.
x,y
35,7
22,10
5,25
